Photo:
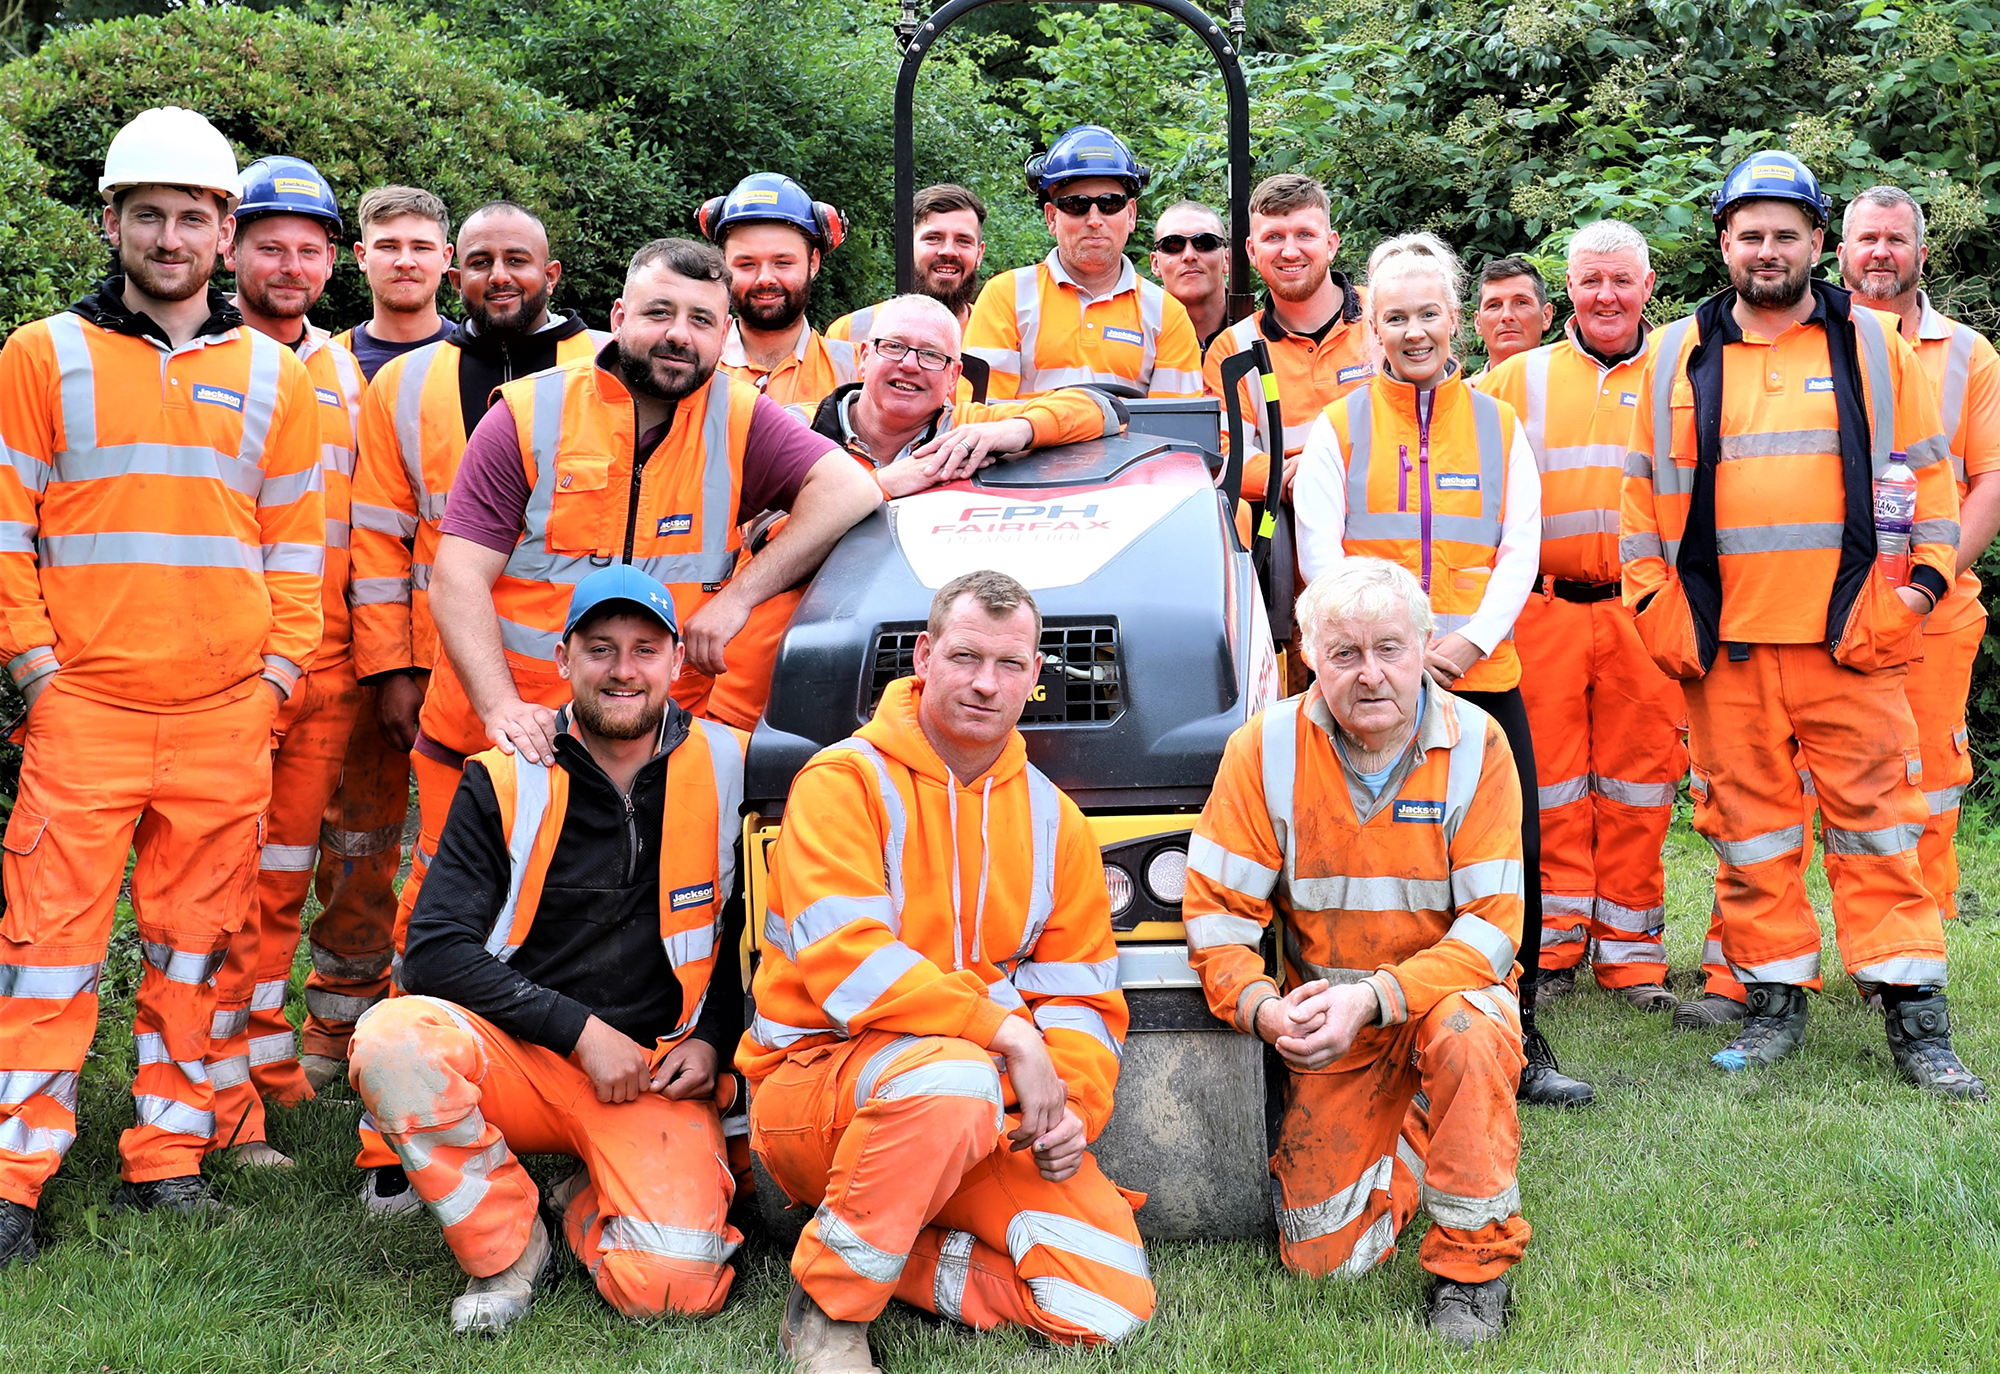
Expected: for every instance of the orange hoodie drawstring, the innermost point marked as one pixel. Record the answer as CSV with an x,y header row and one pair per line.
x,y
957,922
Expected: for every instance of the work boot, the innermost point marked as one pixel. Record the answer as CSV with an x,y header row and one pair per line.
x,y
1469,1314
557,1197
490,1305
17,1233
1712,1010
1774,1024
817,1344
1920,1043
1543,1083
188,1195
387,1193
258,1154
1552,983
321,1070
1646,997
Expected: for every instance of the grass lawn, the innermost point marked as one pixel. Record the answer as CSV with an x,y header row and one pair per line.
x,y
1815,1216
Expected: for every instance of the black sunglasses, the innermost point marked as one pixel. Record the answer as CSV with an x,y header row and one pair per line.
x,y
1076,207
1173,244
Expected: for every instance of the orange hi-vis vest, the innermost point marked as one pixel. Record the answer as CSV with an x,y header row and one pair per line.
x,y
1036,331
412,438
1579,449
1432,498
1965,369
336,378
575,426
1417,893
697,851
162,524
816,368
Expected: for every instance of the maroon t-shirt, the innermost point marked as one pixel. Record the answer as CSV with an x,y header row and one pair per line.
x,y
489,499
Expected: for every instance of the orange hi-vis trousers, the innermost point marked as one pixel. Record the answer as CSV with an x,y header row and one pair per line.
x,y
1752,723
1355,1161
1607,726
1936,688
360,849
897,1139
460,1100
188,792
251,1053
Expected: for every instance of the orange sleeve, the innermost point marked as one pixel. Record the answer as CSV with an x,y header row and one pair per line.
x,y
291,517
1233,867
1979,421
842,924
1066,416
27,450
993,335
384,521
1920,436
1641,551
1486,898
1177,357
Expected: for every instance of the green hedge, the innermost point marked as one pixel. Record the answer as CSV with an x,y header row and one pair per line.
x,y
49,252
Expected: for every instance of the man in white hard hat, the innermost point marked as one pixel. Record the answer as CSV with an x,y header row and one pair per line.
x,y
162,537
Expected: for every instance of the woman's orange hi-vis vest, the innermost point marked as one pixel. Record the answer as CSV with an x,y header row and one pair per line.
x,y
697,851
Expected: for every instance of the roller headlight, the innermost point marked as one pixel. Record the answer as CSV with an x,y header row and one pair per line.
x,y
1166,876
1118,886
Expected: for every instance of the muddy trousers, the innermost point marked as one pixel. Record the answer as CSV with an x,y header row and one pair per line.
x,y
188,793
1354,1163
251,1053
360,849
1607,726
897,1141
460,1100
1751,721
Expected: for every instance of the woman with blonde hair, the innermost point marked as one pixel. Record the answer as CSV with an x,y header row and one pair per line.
x,y
1418,468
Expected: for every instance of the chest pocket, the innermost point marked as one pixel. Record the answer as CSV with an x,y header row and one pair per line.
x,y
581,521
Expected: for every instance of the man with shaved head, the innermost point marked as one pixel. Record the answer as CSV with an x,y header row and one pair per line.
x,y
415,420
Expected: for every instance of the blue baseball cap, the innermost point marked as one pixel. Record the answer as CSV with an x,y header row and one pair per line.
x,y
621,583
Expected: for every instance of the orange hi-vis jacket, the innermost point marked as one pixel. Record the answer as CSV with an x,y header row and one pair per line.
x,y
575,427
1037,331
1965,369
1432,500
1311,377
1769,539
336,378
811,373
1580,453
1416,893
697,852
412,438
162,523
902,901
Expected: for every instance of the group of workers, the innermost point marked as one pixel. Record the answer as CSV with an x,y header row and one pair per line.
x,y
547,568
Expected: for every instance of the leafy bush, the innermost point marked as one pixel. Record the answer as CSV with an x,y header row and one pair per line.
x,y
49,252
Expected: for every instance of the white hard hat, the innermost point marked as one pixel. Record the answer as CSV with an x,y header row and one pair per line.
x,y
169,146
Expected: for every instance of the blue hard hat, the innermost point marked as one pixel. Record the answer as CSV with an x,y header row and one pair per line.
x,y
1088,150
772,198
626,585
287,186
1771,176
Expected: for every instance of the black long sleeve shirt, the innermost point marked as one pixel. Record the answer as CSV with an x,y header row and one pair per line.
x,y
594,947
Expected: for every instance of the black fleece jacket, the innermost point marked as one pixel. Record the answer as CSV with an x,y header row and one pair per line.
x,y
487,361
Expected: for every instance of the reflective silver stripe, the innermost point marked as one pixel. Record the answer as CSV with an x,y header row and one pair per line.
x,y
1006,994
382,520
1407,1152
1628,952
1550,795
52,982
1711,952
830,915
1244,876
1054,1231
151,549
1045,838
1027,330
337,534
173,1116
1343,892
1482,1000
531,803
1801,968
1638,920
780,1036
197,461
1951,398
272,1049
1303,1224
1777,538
225,1024
1892,839
349,968
337,1008
976,1079
1790,443
1908,971
183,965
32,471
294,558
840,353
953,1266
78,384
1578,457
464,1133
1487,938
287,488
878,1062
668,1242
776,935
1636,546
1758,849
1209,930
1057,979
1945,800
1280,740
463,1200
58,1085
287,858
1471,1213
268,995
1573,936
686,947
869,981
725,759
379,591
892,806
1079,1306
420,576
1152,318
150,1047
1464,766
260,398
230,1072
1669,478
1570,524
1482,530
1559,904
1880,397
1638,465
877,1266
408,406
18,1137
1375,1242
1488,878
1534,417
359,844
1085,1019
1935,532
1634,793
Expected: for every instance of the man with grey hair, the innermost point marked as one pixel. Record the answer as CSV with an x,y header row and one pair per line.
x,y
1882,256
1191,259
1606,720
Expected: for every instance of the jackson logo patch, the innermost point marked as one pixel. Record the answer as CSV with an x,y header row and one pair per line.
x,y
675,524
1458,481
681,898
1818,384
1628,398
327,398
1354,372
1773,169
295,186
755,197
1420,812
219,396
1130,336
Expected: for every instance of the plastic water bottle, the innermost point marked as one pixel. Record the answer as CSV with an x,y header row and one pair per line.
x,y
1895,513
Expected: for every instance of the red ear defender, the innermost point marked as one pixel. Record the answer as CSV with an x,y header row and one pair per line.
x,y
705,217
832,227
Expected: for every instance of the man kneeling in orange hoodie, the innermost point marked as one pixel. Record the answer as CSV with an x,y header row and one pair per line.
x,y
938,907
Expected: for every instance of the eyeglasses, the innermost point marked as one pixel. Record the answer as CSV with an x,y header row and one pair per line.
x,y
1076,207
895,350
1173,244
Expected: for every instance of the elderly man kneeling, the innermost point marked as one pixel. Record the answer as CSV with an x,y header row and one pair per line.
x,y
1377,819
